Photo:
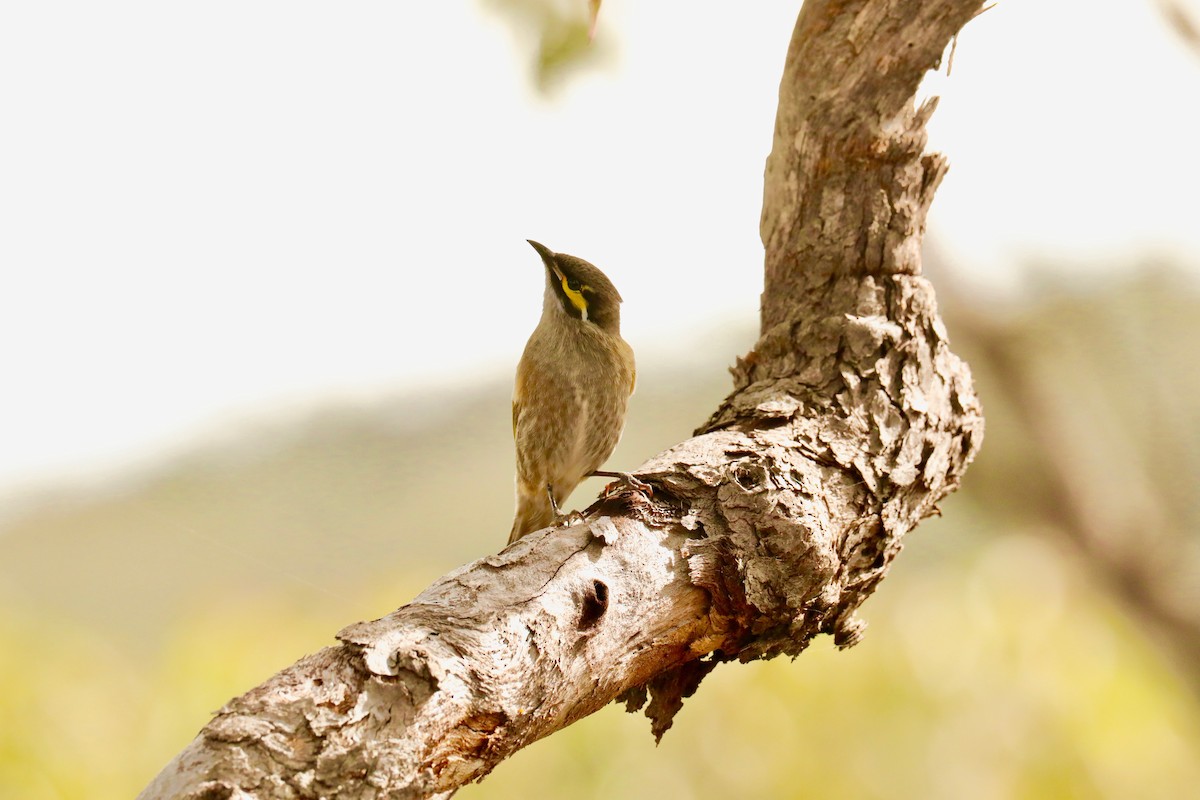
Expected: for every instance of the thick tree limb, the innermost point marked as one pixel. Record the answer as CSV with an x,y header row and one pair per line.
x,y
850,419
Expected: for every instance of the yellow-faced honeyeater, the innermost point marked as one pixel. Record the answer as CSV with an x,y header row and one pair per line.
x,y
573,384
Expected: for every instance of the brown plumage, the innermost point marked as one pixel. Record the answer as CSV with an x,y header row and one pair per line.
x,y
572,387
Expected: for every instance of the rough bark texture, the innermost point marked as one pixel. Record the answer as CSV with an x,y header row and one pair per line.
x,y
849,420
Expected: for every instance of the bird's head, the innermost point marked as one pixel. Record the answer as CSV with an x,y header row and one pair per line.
x,y
579,289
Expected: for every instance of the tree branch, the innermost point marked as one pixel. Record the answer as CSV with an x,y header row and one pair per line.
x,y
849,420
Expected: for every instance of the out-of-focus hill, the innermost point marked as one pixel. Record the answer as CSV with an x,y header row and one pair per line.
x,y
354,496
317,507
1011,651
1093,416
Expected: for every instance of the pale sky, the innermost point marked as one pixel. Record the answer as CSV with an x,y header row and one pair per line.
x,y
227,211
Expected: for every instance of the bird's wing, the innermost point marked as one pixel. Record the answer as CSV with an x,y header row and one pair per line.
x,y
516,399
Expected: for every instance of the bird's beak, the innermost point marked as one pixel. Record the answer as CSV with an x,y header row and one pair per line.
x,y
547,257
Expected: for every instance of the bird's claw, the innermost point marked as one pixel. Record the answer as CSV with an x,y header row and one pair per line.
x,y
628,478
570,518
567,519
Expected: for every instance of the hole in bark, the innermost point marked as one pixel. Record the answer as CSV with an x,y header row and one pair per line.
x,y
594,604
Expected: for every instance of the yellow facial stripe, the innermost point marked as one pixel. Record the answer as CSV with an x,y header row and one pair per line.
x,y
577,299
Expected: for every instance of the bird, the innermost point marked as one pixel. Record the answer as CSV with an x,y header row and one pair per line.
x,y
571,390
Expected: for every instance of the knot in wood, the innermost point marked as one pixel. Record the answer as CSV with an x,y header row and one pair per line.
x,y
749,475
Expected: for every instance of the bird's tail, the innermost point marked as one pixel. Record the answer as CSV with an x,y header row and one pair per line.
x,y
534,512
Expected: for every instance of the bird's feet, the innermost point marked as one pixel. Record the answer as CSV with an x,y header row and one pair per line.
x,y
631,480
570,518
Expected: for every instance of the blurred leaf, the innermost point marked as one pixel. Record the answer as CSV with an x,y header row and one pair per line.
x,y
594,10
562,32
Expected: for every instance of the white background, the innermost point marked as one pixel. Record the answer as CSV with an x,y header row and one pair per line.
x,y
213,212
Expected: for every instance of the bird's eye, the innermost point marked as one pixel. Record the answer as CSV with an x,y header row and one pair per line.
x,y
573,285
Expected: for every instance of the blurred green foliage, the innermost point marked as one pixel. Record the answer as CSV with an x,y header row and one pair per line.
x,y
559,31
991,670
997,665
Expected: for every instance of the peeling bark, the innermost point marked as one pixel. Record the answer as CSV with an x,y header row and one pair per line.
x,y
849,420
